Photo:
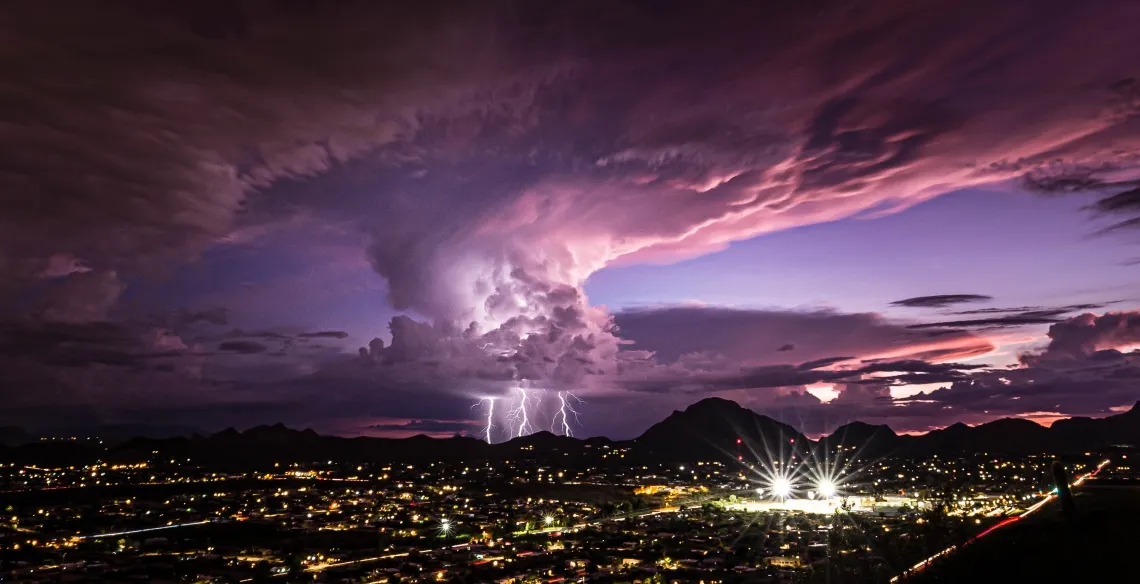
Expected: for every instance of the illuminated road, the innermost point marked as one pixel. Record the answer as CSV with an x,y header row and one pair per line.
x,y
134,531
1033,508
322,567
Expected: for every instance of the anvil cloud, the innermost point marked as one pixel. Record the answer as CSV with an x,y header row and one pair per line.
x,y
485,161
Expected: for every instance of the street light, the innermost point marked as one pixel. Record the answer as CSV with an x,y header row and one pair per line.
x,y
826,488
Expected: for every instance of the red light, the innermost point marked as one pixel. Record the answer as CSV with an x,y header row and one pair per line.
x,y
739,458
793,441
738,440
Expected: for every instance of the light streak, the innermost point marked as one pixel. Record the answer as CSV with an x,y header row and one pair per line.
x,y
133,531
369,560
1008,521
564,407
923,564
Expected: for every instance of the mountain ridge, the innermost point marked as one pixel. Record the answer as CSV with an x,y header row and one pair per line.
x,y
709,429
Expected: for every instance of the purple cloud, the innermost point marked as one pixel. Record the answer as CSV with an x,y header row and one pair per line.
x,y
485,177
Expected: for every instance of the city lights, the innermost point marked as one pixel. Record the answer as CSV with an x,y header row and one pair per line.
x,y
429,507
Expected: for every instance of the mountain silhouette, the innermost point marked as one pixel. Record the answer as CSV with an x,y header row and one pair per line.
x,y
13,436
710,429
869,440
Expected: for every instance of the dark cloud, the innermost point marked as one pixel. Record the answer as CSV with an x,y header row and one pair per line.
x,y
864,394
744,337
71,345
242,347
571,149
941,300
324,335
260,335
428,426
917,366
1036,309
1087,335
783,376
787,347
825,362
993,396
83,297
1116,179
217,316
189,131
1022,319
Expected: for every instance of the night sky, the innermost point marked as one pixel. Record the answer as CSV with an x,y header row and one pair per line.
x,y
369,218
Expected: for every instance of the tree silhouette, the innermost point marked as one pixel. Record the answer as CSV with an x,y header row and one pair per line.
x,y
1061,485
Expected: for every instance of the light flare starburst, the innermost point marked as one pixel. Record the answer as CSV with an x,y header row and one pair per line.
x,y
786,469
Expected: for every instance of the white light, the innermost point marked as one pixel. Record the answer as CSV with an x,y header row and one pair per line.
x,y
781,487
445,526
826,489
548,519
759,490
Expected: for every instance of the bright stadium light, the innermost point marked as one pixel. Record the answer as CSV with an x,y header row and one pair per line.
x,y
445,526
549,519
781,487
826,488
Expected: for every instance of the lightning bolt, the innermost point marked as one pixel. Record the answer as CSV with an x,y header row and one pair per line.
x,y
563,407
490,401
519,414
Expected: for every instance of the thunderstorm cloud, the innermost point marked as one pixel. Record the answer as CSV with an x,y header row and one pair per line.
x,y
484,161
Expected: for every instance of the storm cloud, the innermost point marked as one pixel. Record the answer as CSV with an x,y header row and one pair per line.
x,y
940,301
488,160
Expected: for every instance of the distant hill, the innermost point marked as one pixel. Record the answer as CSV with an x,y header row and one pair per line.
x,y
1007,435
866,439
13,436
716,428
711,429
